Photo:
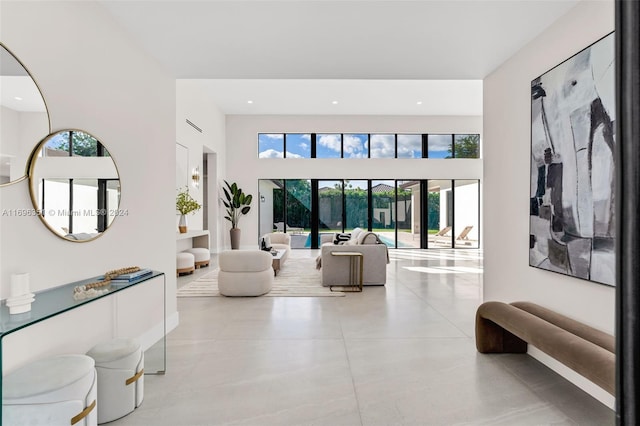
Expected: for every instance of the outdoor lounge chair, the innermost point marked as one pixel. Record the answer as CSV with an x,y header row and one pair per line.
x,y
464,233
441,234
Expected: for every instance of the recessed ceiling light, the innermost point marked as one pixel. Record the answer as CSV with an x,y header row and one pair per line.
x,y
419,103
334,102
249,102
17,98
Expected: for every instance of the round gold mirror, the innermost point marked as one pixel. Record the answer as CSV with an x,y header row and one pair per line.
x,y
24,119
74,185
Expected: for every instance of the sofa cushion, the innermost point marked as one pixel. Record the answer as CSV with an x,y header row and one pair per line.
x,y
367,238
245,260
356,232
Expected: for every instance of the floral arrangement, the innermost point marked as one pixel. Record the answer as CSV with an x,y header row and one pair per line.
x,y
185,203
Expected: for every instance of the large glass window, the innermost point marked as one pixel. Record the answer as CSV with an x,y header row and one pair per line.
x,y
330,206
383,146
440,146
409,146
363,145
85,199
55,196
355,146
466,207
271,145
467,146
329,145
440,207
408,196
393,209
383,194
356,201
298,145
298,211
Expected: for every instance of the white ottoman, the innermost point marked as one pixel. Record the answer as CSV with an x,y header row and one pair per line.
x,y
120,367
185,263
245,272
202,256
60,390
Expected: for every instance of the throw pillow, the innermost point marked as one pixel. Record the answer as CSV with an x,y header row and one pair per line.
x,y
341,238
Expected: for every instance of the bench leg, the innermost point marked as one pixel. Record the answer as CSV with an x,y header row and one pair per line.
x,y
491,338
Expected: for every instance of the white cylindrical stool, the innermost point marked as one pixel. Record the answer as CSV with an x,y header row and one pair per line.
x,y
185,263
120,367
202,256
60,390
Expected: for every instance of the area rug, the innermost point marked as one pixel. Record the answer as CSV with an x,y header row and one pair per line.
x,y
297,277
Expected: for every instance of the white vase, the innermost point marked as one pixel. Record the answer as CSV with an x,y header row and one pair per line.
x,y
182,225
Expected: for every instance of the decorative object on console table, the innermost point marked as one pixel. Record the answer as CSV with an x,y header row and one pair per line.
x,y
95,288
185,204
238,204
21,297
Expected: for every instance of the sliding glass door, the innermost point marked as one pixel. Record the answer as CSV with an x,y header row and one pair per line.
x,y
440,207
383,210
408,213
404,213
467,213
356,202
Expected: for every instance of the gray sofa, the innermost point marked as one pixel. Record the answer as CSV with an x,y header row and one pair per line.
x,y
335,269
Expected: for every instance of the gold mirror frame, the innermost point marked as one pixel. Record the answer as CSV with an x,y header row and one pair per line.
x,y
71,186
11,89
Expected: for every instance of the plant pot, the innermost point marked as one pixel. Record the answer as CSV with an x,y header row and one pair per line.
x,y
235,238
182,225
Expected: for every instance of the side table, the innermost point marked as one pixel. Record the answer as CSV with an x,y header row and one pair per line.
x,y
356,270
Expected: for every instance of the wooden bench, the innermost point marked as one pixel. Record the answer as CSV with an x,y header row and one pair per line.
x,y
508,328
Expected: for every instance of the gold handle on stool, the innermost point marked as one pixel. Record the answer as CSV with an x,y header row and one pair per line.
x,y
134,378
84,413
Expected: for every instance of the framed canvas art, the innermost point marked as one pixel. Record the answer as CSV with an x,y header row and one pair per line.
x,y
571,226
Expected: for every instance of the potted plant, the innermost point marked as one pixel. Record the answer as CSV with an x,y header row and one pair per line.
x,y
185,204
237,204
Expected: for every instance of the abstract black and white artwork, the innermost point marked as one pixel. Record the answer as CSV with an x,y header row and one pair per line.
x,y
572,229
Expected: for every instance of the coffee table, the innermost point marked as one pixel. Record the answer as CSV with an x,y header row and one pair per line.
x,y
276,260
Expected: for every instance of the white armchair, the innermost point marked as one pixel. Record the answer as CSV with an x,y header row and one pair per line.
x,y
280,241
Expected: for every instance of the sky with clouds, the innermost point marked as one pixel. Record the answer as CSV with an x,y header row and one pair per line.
x,y
329,145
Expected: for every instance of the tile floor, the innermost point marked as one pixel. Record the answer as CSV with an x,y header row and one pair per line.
x,y
402,354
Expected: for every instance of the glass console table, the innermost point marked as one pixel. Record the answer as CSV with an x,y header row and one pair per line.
x,y
55,301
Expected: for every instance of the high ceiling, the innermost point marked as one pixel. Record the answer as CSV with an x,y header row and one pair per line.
x,y
356,47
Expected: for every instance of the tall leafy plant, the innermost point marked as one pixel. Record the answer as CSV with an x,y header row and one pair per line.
x,y
236,201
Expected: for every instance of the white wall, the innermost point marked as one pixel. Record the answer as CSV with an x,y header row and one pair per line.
x,y
507,100
94,78
244,167
192,103
18,131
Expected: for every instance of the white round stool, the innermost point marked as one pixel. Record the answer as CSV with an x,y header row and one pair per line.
x,y
120,367
60,390
185,263
202,256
